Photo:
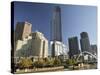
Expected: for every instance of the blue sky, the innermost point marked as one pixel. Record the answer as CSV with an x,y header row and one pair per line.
x,y
74,18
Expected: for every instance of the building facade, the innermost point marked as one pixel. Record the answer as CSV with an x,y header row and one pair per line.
x,y
23,48
39,45
94,49
58,48
22,40
35,46
85,43
56,29
23,30
73,46
29,44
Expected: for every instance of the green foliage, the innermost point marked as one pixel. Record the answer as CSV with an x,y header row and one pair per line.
x,y
57,62
71,62
25,63
39,63
48,61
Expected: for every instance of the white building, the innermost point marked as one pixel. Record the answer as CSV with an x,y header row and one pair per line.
x,y
35,45
23,47
58,48
39,45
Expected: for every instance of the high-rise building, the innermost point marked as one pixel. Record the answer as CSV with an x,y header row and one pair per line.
x,y
94,49
56,25
85,43
39,45
23,30
73,46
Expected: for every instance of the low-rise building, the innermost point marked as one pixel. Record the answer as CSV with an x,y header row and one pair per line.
x,y
35,45
58,48
39,45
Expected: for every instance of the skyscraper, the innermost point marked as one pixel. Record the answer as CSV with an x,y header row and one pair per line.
x,y
56,25
85,43
23,30
94,49
73,46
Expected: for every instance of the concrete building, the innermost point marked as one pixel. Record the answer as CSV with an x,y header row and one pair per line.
x,y
85,43
35,46
39,45
23,47
58,48
73,46
94,49
21,41
56,29
23,30
28,44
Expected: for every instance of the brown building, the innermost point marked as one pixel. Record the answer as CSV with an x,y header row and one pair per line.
x,y
23,30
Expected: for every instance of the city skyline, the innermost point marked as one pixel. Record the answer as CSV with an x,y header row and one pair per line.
x,y
52,37
70,15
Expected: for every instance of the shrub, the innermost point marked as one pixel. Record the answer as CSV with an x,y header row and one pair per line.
x,y
25,63
57,62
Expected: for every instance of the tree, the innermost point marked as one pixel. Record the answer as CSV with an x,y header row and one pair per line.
x,y
71,62
25,63
49,62
40,63
57,62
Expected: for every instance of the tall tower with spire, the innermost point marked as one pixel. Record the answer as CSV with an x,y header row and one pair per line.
x,y
56,31
56,25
